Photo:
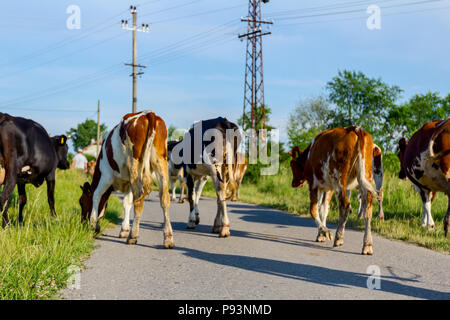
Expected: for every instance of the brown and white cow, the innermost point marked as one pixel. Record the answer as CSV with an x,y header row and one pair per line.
x,y
240,168
337,160
133,154
425,160
176,172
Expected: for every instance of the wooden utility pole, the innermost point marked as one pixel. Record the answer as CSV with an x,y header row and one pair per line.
x,y
134,64
98,128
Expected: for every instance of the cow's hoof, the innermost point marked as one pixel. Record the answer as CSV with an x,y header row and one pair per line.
x,y
197,219
173,199
367,250
338,242
323,235
180,201
216,229
131,241
97,229
190,225
430,228
225,232
168,243
124,233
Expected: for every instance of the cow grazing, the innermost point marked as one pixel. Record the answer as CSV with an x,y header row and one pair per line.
x,y
28,155
239,168
134,153
205,162
425,160
338,159
176,172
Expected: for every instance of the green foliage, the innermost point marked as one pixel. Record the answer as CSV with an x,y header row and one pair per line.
x,y
85,132
362,101
391,163
308,119
407,118
245,123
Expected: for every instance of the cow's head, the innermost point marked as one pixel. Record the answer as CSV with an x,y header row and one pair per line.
x,y
86,201
61,148
402,144
298,167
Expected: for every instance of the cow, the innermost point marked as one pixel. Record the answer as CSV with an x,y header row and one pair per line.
x,y
133,154
205,162
176,172
337,160
425,161
28,155
240,168
90,168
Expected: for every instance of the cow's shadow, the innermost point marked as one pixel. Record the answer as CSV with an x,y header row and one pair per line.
x,y
314,274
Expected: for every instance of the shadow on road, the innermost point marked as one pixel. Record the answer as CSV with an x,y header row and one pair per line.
x,y
313,274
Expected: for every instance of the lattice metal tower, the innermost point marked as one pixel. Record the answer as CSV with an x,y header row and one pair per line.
x,y
254,76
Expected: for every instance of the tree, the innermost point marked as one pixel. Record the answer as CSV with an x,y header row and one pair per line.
x,y
85,132
407,118
309,118
245,123
362,101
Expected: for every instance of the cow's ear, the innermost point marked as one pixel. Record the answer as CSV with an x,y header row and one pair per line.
x,y
86,187
295,153
62,140
402,144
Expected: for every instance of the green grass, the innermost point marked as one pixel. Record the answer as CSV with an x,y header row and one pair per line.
x,y
402,207
35,257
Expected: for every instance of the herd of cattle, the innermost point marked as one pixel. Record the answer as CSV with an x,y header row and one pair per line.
x,y
136,153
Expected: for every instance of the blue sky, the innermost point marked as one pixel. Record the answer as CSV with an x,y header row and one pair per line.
x,y
44,66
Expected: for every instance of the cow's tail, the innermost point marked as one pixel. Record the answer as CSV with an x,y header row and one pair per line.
x,y
440,128
365,185
230,159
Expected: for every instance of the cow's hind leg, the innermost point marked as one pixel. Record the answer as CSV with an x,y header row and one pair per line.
x,y
22,200
344,211
164,199
127,204
367,242
8,188
191,199
323,232
221,222
447,219
51,193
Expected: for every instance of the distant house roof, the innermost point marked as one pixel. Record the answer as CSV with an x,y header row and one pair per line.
x,y
91,149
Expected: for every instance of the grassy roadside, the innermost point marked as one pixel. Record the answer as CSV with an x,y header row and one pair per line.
x,y
35,257
402,207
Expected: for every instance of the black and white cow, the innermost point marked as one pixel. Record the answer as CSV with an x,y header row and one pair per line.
x,y
212,146
28,155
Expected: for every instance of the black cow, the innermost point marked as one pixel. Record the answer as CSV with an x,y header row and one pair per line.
x,y
28,155
197,169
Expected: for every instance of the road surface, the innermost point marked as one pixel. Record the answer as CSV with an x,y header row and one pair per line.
x,y
270,255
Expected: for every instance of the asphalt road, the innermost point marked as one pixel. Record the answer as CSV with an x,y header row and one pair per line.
x,y
270,255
